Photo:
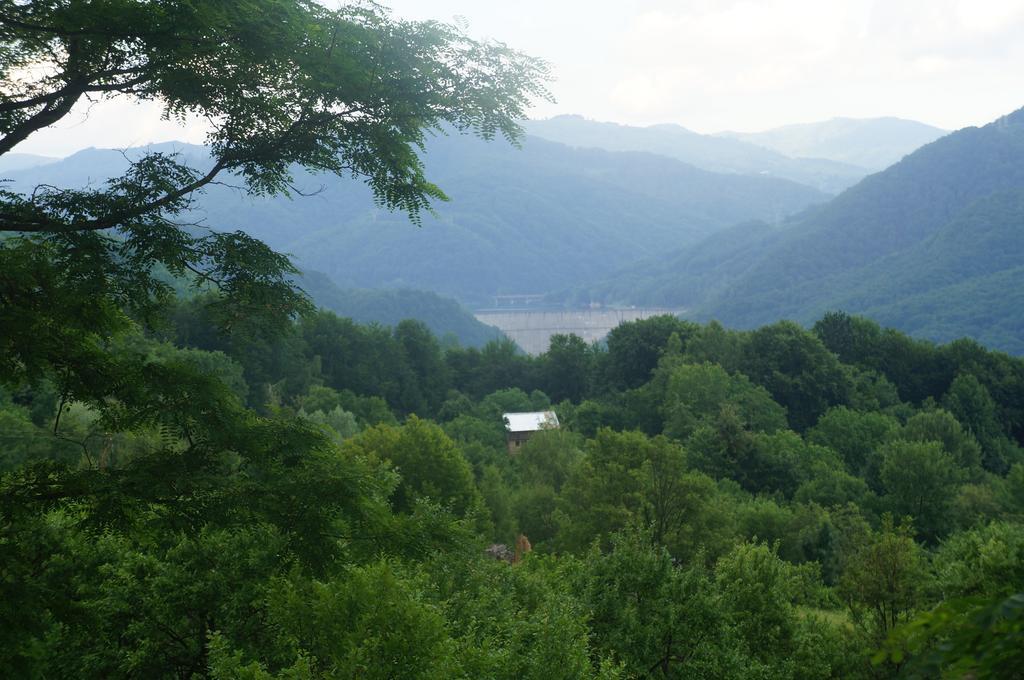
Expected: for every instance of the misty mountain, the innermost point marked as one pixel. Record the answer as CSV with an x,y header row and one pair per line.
x,y
709,152
933,245
527,220
871,143
443,316
10,162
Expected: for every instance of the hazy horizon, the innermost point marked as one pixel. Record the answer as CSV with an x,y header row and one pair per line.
x,y
732,65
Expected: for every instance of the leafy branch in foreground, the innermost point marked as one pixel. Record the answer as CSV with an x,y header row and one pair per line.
x,y
973,637
282,84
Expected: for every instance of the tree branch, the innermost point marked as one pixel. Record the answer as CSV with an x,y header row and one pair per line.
x,y
77,87
50,114
41,225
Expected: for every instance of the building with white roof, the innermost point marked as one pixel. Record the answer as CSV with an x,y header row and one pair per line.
x,y
521,426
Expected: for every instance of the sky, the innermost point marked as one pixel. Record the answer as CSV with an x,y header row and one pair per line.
x,y
709,65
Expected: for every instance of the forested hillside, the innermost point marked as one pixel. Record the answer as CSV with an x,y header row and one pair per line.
x,y
711,152
524,220
926,245
445,318
717,503
870,143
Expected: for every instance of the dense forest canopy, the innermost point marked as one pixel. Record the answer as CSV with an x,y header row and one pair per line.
x,y
753,489
202,476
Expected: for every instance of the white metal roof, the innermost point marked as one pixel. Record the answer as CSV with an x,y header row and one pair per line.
x,y
530,422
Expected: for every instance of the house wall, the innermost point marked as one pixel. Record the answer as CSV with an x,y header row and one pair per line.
x,y
515,440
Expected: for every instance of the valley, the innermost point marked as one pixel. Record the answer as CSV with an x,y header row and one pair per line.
x,y
397,370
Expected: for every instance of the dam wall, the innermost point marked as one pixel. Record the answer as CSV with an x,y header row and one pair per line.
x,y
532,329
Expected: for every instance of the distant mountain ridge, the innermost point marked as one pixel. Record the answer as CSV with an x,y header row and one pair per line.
x,y
870,143
11,162
932,245
708,152
520,221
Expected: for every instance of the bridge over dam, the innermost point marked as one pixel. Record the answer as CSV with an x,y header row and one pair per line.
x,y
532,329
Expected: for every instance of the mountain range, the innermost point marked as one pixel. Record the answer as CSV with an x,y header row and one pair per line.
x,y
709,152
520,220
870,143
10,162
932,245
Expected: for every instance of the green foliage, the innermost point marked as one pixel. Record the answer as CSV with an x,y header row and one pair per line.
x,y
370,621
523,622
181,533
881,580
757,590
797,370
338,423
549,457
962,638
634,348
855,436
428,462
673,580
297,95
919,480
969,401
655,618
225,491
696,393
567,368
940,426
985,561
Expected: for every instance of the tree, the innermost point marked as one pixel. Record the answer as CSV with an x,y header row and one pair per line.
x,y
373,623
422,354
635,347
798,371
696,393
658,619
549,457
428,461
963,638
986,561
602,495
855,436
529,622
83,272
284,82
919,479
971,404
881,580
852,338
566,368
757,590
940,426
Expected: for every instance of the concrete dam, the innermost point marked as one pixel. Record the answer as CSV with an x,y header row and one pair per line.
x,y
532,329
